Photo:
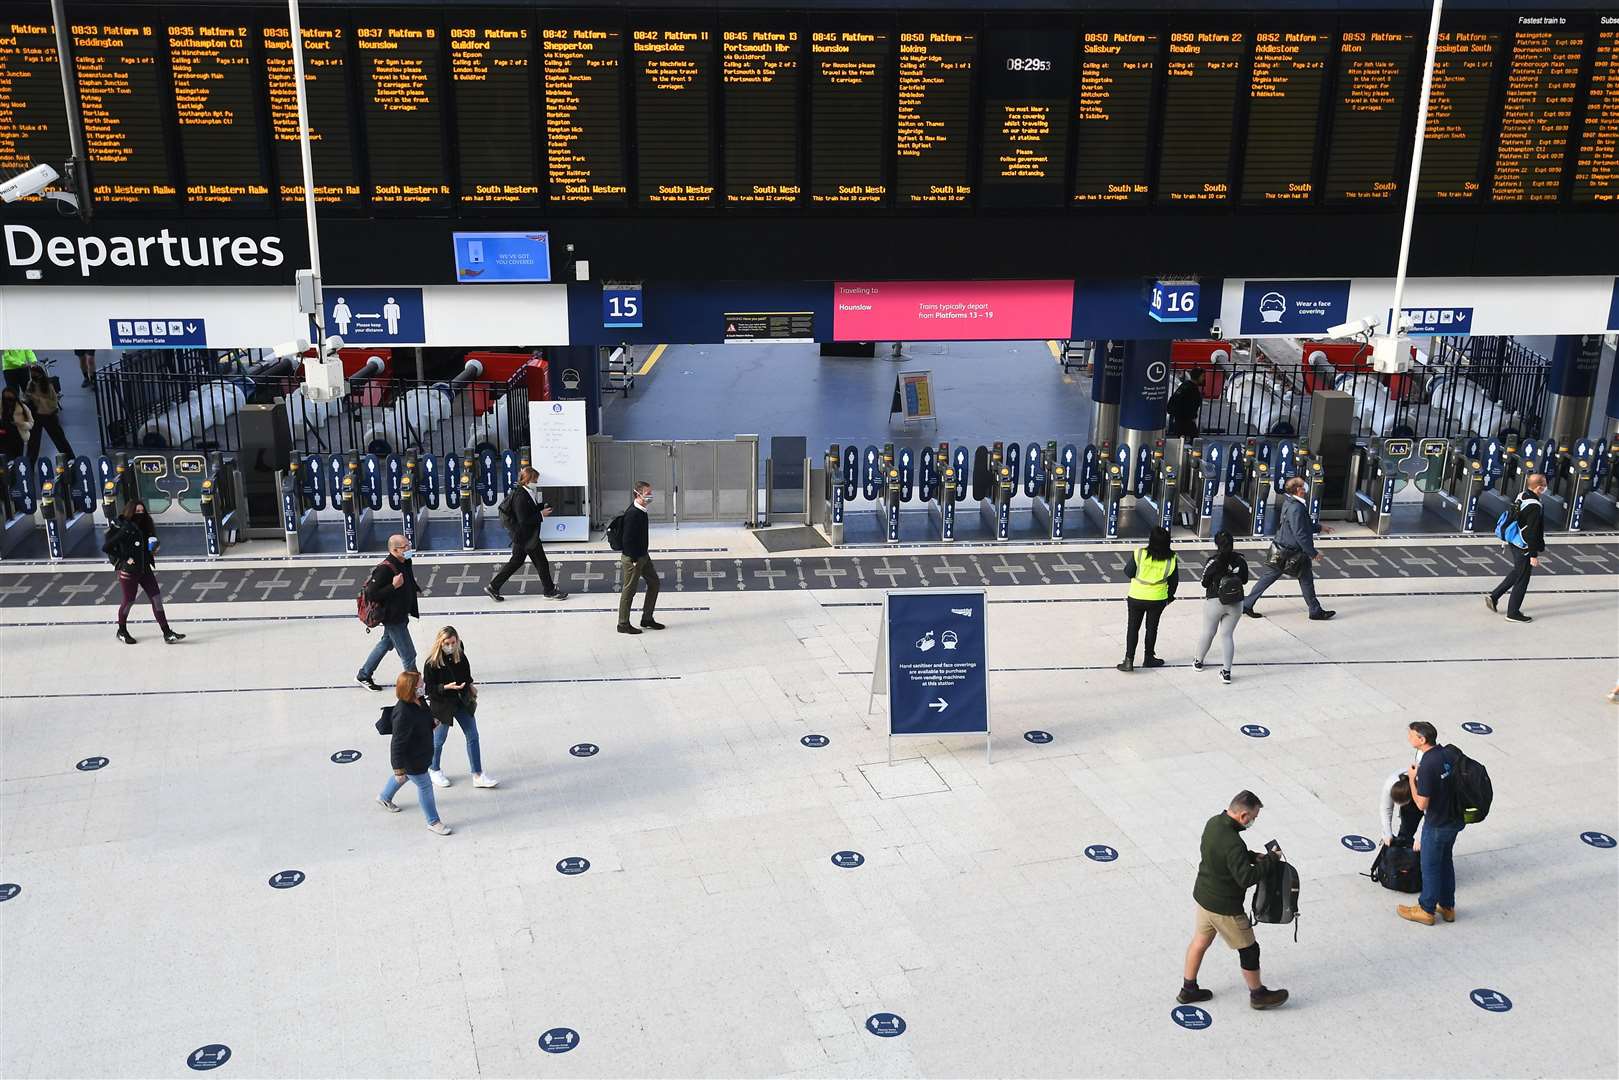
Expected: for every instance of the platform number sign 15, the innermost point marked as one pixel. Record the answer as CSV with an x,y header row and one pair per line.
x,y
1174,301
621,307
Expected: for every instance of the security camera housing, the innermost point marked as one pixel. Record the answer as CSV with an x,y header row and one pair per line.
x,y
28,183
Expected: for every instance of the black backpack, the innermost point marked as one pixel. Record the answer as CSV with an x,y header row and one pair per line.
x,y
1398,867
1470,789
615,533
508,515
1276,897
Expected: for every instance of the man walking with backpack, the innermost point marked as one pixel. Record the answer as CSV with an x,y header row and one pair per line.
x,y
1434,791
392,588
634,562
1295,538
1226,871
1525,533
522,511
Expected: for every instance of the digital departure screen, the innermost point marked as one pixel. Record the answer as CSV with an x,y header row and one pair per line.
x,y
584,135
1596,161
33,121
1113,118
934,121
494,89
1537,117
116,65
759,70
1284,114
326,90
1028,77
674,104
849,77
1200,108
1458,108
215,105
402,88
1368,110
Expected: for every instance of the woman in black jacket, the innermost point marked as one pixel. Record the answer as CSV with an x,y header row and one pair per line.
x,y
132,546
411,750
1222,613
453,699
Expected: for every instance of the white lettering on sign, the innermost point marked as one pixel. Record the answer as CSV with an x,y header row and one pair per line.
x,y
25,247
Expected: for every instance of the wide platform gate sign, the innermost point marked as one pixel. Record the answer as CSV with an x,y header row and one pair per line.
x,y
932,663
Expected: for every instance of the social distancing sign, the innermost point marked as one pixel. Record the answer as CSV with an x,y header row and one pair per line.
x,y
932,662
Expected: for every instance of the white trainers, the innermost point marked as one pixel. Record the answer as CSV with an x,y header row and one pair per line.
x,y
485,780
386,805
438,778
440,828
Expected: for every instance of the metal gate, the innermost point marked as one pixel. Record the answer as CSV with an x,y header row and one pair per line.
x,y
699,480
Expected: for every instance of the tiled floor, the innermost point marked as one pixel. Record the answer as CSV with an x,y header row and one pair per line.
x,y
712,933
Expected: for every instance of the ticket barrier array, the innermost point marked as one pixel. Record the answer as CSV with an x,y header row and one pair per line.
x,y
372,495
1600,501
1232,484
1508,463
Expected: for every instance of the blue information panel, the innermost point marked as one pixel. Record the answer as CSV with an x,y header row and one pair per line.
x,y
372,316
502,256
1444,321
622,308
155,333
1276,308
936,668
1174,301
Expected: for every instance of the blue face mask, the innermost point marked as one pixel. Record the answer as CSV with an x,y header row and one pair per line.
x,y
408,553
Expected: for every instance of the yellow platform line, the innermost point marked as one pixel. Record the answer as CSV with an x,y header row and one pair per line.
x,y
1056,354
650,360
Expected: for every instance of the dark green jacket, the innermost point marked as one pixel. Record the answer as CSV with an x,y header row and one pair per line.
x,y
1228,869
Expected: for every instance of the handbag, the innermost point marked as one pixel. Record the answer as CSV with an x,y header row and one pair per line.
x,y
385,722
1279,558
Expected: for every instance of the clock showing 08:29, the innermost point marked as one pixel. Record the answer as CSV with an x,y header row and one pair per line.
x,y
1027,63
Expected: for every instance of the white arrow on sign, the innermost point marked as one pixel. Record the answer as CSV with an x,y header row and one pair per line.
x,y
190,329
941,704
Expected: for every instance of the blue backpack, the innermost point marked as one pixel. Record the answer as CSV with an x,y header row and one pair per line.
x,y
1508,530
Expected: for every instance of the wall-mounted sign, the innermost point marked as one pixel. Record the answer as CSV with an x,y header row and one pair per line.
x,y
1174,301
502,257
767,327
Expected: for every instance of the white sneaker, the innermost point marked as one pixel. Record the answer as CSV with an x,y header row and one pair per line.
x,y
440,828
386,805
438,778
485,780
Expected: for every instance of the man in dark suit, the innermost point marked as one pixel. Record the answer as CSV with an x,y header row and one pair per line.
x,y
1295,536
528,510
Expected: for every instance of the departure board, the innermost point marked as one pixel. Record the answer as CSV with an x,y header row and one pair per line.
x,y
1200,109
1458,108
934,120
1537,118
849,76
326,90
759,71
119,93
1284,115
581,69
1596,161
1368,112
33,121
1028,80
215,105
402,87
1118,70
494,88
674,91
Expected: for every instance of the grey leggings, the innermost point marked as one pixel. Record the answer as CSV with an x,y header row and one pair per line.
x,y
1222,618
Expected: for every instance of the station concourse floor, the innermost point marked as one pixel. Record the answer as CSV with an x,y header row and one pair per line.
x,y
712,935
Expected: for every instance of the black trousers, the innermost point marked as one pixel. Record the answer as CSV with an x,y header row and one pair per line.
x,y
1517,580
1151,611
50,423
542,566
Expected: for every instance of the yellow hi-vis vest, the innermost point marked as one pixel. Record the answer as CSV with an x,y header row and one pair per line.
x,y
1151,580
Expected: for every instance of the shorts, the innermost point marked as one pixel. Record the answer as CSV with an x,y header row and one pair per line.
x,y
1235,930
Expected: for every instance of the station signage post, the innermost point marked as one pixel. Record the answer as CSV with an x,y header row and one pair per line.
x,y
932,664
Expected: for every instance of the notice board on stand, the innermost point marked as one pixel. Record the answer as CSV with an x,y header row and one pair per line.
x,y
932,663
559,450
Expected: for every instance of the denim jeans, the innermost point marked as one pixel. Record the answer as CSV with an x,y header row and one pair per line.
x,y
424,793
469,728
394,636
1438,866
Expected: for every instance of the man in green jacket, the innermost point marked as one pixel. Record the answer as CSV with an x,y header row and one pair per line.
x,y
1226,872
16,363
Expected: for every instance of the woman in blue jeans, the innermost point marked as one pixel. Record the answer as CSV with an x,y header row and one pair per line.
x,y
411,751
453,699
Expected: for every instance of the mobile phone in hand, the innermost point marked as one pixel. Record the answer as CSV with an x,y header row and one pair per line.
x,y
1273,847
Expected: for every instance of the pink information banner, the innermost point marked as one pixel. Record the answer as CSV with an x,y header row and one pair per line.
x,y
952,310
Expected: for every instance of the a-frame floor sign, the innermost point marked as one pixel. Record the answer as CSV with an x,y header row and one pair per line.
x,y
932,664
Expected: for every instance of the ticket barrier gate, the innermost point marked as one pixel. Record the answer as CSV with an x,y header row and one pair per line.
x,y
302,499
1204,470
951,470
1503,478
1385,469
1557,461
354,500
411,495
67,503
118,485
222,505
1581,472
842,480
1157,483
17,505
1110,487
995,508
1250,474
1058,478
1601,500
1453,480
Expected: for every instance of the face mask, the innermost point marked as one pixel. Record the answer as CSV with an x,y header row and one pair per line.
x,y
408,553
646,500
533,489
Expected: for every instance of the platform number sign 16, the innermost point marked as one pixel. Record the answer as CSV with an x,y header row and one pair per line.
x,y
1174,301
621,307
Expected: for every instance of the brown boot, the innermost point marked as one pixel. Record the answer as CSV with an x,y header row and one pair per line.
x,y
1448,914
1415,913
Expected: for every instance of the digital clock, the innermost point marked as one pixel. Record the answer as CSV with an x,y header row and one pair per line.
x,y
1027,63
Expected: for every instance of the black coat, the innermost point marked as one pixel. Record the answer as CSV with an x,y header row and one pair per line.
x,y
1184,406
1532,522
411,748
527,512
445,703
398,604
634,546
1219,567
126,545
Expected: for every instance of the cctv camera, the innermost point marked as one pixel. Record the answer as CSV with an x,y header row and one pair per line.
x,y
333,343
28,183
1350,329
289,349
1214,330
